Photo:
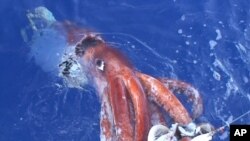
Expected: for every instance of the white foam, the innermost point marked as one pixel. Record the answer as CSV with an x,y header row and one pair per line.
x,y
220,22
47,50
212,44
248,96
47,43
241,48
231,88
77,76
40,18
218,63
245,79
183,17
218,37
216,75
195,61
180,31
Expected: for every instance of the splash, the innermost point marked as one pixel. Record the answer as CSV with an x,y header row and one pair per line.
x,y
50,50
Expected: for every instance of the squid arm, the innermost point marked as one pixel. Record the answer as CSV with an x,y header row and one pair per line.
x,y
140,104
120,108
106,119
165,98
193,95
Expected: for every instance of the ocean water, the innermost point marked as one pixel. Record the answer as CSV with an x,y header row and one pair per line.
x,y
205,43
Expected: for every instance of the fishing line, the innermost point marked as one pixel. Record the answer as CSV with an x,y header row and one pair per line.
x,y
208,136
227,124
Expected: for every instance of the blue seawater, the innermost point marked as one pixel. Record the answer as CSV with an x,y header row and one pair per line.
x,y
203,42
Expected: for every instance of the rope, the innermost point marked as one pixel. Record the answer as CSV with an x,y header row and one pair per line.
x,y
227,124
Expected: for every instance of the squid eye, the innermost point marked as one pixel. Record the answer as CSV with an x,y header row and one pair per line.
x,y
100,64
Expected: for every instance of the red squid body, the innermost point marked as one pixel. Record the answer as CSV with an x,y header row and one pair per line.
x,y
130,100
124,112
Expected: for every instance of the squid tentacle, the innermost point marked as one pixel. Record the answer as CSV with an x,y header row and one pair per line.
x,y
120,109
164,97
140,104
106,119
193,95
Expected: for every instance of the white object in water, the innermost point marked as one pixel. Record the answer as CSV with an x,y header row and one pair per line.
x,y
40,17
162,133
203,137
190,130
